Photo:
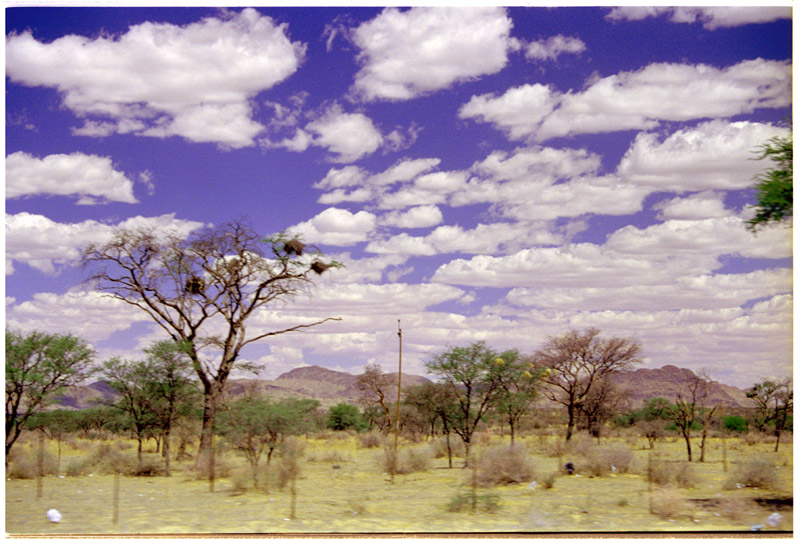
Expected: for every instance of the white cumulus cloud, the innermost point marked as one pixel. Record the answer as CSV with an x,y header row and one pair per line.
x,y
552,47
636,99
157,79
404,54
45,244
91,178
335,226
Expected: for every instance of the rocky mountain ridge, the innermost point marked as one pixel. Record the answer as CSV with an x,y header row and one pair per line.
x,y
331,387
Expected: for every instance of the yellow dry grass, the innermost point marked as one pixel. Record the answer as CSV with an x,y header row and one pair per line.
x,y
352,494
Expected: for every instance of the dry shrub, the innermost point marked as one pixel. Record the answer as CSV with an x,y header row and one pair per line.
x,y
439,447
482,437
24,464
737,510
581,444
370,439
149,467
754,437
558,448
340,435
243,480
79,466
504,466
599,461
685,475
754,473
222,468
669,504
681,474
109,458
549,481
409,460
326,456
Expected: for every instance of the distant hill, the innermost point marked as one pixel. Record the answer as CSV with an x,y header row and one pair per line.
x,y
331,387
667,381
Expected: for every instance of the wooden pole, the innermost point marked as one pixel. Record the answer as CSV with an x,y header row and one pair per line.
x,y
40,466
399,382
115,502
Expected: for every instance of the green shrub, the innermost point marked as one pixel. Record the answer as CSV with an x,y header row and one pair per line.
x,y
485,503
734,423
504,466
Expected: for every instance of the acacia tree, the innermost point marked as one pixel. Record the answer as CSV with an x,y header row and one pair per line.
x,y
774,187
689,407
774,400
171,387
472,376
434,402
375,386
576,362
203,289
519,381
600,404
132,380
38,368
254,424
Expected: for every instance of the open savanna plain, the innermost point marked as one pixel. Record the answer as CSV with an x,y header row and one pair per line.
x,y
342,486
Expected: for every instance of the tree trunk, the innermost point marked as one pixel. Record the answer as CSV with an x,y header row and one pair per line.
x,y
166,453
703,446
209,412
511,425
570,421
449,451
139,450
688,446
777,439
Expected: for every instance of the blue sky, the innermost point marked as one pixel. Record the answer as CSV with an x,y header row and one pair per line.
x,y
497,174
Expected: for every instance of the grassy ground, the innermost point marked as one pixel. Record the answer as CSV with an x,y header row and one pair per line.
x,y
342,488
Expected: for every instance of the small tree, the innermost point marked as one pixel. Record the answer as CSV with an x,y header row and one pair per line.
x,y
472,376
133,380
434,402
519,381
576,362
774,400
55,424
375,386
689,408
255,424
38,368
172,390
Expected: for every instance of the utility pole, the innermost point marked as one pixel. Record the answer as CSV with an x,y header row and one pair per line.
x,y
399,378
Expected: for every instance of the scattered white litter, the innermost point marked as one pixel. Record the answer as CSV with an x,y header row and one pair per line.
x,y
756,527
532,485
54,516
613,469
774,519
61,477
